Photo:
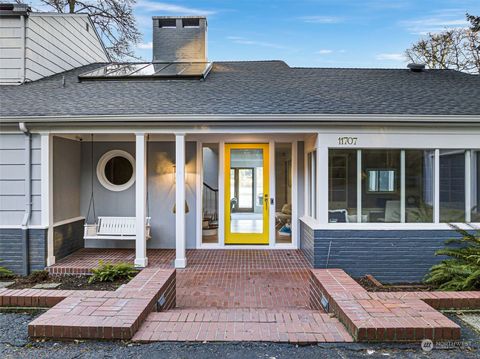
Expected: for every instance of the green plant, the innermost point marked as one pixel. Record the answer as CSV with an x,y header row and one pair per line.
x,y
6,273
108,272
462,270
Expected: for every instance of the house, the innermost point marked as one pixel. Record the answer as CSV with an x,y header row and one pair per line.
x,y
361,169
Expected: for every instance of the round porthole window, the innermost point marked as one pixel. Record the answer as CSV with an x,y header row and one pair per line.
x,y
116,170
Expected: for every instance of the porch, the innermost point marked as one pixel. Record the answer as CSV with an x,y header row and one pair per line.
x,y
238,278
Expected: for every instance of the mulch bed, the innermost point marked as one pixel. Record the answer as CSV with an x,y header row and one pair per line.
x,y
373,286
67,282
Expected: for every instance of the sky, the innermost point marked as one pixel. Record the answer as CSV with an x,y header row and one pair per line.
x,y
311,33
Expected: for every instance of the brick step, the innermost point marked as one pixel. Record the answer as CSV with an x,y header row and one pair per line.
x,y
260,325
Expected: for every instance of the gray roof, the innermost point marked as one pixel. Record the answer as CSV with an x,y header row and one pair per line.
x,y
254,87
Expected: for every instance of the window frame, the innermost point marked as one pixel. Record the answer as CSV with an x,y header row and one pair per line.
x,y
102,178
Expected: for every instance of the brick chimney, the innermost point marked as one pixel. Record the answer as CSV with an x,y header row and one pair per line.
x,y
179,39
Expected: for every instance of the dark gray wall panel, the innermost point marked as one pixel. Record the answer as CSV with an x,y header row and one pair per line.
x,y
391,256
306,242
68,238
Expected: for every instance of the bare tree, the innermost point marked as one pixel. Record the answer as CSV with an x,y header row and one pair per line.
x,y
113,19
457,49
475,21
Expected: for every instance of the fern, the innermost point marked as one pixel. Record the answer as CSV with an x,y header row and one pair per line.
x,y
108,272
462,270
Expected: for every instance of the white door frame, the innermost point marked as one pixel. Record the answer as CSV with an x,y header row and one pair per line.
x,y
221,198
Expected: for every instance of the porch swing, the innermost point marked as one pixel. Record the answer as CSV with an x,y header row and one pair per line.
x,y
110,228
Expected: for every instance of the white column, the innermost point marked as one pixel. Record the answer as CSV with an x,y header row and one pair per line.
x,y
180,237
272,194
436,187
141,259
322,184
359,186
295,209
221,194
468,186
47,192
402,187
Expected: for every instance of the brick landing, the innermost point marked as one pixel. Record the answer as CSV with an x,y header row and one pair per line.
x,y
261,325
104,314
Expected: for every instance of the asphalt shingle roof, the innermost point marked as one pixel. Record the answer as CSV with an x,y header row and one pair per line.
x,y
256,87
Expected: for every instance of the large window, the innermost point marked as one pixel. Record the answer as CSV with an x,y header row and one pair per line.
x,y
399,186
380,186
452,186
283,192
342,186
419,165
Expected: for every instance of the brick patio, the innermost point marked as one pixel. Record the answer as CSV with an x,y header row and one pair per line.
x,y
236,295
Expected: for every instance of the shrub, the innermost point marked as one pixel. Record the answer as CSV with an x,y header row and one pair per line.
x,y
462,270
108,272
6,273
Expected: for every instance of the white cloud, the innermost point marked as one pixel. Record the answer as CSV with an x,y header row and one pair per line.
x,y
324,52
145,45
243,41
322,19
160,7
391,57
437,21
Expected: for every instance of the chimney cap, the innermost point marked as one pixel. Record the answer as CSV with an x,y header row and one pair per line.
x,y
14,9
414,67
178,17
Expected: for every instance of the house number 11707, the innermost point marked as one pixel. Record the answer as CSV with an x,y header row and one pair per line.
x,y
347,141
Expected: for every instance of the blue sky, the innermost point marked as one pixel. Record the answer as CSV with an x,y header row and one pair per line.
x,y
316,33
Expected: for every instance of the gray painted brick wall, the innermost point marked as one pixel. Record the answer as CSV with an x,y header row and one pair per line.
x,y
68,238
179,43
389,255
12,249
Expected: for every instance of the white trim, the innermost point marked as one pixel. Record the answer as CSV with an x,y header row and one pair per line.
x,y
275,118
199,195
322,185
221,194
102,162
46,157
436,187
272,195
359,186
468,186
294,222
69,220
141,259
402,186
385,226
180,230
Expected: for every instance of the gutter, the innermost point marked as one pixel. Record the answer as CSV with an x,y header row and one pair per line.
x,y
28,197
248,118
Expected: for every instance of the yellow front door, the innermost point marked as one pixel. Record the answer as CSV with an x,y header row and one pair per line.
x,y
246,193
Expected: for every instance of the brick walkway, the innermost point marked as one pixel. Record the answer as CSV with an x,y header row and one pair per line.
x,y
237,296
264,325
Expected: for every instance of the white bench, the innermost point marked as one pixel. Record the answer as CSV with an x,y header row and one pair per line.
x,y
114,228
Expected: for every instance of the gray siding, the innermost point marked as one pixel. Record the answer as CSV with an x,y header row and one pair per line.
x,y
10,50
12,179
389,255
161,189
306,242
12,249
67,239
66,179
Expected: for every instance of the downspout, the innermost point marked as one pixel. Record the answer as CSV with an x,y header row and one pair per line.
x,y
28,197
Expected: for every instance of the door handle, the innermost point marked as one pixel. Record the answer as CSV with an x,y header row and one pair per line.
x,y
265,199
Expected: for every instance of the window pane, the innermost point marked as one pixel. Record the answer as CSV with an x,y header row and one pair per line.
x,y
381,186
118,170
419,186
283,192
475,186
452,186
210,193
342,186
